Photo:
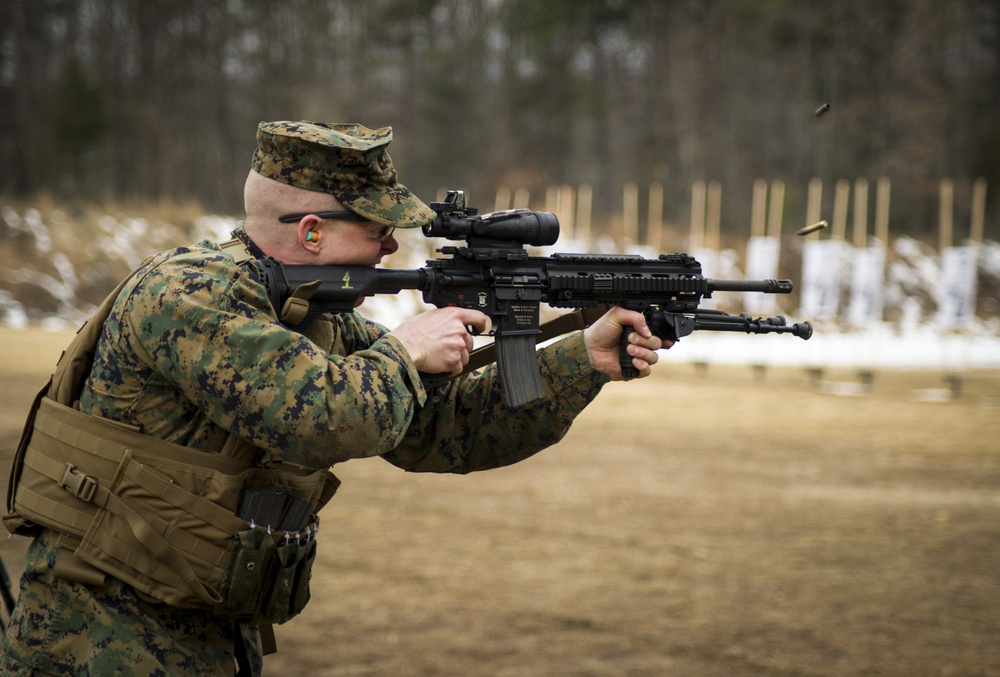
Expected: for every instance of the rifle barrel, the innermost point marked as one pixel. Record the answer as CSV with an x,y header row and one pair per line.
x,y
766,286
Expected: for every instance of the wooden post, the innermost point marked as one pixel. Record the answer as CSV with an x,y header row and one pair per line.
x,y
502,200
777,208
978,210
814,205
882,211
814,211
654,222
630,215
713,216
552,199
861,213
697,214
840,200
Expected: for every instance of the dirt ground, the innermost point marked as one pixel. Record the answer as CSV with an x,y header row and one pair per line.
x,y
719,522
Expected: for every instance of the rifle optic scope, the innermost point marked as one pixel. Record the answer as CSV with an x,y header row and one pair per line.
x,y
513,225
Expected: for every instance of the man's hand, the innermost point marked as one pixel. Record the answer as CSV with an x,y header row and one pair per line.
x,y
601,340
438,341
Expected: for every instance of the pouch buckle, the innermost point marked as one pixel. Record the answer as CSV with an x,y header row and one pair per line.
x,y
80,485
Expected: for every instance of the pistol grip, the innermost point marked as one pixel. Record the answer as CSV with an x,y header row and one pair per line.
x,y
624,359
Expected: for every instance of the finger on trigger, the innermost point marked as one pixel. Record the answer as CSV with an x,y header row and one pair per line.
x,y
476,320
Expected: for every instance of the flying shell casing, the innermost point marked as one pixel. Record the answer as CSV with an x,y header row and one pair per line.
x,y
812,229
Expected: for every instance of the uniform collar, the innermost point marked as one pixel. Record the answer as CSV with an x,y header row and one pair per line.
x,y
255,251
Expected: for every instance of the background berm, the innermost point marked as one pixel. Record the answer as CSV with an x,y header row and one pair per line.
x,y
719,522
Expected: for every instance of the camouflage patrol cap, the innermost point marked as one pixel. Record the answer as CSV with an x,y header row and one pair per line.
x,y
348,161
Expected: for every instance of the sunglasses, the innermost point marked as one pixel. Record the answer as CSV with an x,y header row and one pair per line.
x,y
375,231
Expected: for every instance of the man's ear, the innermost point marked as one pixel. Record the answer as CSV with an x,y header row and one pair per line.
x,y
307,233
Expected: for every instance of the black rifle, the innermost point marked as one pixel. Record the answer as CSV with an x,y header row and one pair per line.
x,y
494,274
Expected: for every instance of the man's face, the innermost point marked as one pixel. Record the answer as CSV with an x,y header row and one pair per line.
x,y
353,243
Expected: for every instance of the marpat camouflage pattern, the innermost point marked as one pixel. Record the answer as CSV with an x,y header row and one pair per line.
x,y
192,350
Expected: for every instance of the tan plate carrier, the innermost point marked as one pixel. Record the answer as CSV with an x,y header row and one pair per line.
x,y
159,516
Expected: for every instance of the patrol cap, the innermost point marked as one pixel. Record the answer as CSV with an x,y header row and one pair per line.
x,y
349,161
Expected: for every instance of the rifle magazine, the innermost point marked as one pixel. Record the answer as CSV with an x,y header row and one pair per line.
x,y
517,367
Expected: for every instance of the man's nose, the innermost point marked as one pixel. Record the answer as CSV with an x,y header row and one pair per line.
x,y
390,245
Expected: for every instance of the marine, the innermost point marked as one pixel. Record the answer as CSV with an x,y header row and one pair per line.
x,y
192,371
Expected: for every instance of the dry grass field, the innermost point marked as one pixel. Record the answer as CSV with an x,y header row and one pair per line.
x,y
704,524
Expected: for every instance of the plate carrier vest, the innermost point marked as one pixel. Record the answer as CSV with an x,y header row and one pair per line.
x,y
159,516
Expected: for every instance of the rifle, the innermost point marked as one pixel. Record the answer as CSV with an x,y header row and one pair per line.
x,y
494,273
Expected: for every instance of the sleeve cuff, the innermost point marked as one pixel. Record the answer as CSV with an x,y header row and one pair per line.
x,y
566,365
390,346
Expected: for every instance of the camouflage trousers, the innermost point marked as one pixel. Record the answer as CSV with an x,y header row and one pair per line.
x,y
60,627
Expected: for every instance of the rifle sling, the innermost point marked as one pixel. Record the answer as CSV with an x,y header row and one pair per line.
x,y
564,324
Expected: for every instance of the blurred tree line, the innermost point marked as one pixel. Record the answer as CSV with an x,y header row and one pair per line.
x,y
159,99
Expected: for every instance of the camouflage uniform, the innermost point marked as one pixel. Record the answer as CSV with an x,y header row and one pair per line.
x,y
193,350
